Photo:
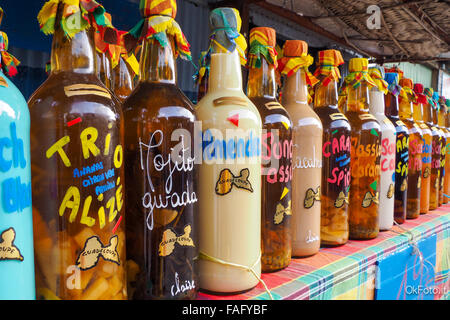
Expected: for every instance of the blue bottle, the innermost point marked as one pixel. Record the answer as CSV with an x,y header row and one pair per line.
x,y
16,220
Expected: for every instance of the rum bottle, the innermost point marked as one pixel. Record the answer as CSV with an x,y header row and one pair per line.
x,y
365,153
77,169
276,192
17,280
307,149
335,151
401,147
415,148
159,152
387,163
419,114
230,172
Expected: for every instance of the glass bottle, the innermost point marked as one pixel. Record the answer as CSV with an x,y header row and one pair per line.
x,y
419,110
276,192
307,155
447,154
365,158
17,280
161,231
103,68
401,149
387,162
77,177
444,132
229,179
414,150
336,148
435,156
123,83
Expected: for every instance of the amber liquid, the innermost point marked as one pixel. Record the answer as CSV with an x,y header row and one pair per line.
x,y
401,158
77,179
162,199
277,151
441,125
336,177
122,80
365,165
426,158
415,160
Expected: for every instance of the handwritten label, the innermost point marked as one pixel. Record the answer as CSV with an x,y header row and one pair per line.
x,y
15,193
365,156
273,151
178,161
415,154
402,156
387,155
338,150
181,286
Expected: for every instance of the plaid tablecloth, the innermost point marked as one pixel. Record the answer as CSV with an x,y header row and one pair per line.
x,y
348,272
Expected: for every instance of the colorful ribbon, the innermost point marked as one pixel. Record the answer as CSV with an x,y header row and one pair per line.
x,y
225,24
158,22
262,45
8,63
329,61
204,66
377,75
295,56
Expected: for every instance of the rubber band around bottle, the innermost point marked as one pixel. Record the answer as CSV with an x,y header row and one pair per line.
x,y
204,256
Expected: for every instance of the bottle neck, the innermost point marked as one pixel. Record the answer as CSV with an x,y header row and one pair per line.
x,y
73,55
376,105
103,68
295,89
261,82
427,114
391,105
358,98
418,114
435,115
157,64
441,118
225,72
326,96
405,108
123,81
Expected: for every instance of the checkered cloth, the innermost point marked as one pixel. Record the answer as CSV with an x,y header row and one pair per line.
x,y
347,272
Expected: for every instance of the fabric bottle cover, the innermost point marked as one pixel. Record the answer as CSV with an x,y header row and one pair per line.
x,y
295,56
393,86
429,94
158,21
418,89
262,45
377,75
328,63
407,85
436,100
77,16
225,25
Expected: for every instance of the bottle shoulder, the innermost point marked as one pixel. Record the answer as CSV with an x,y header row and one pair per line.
x,y
158,100
362,120
70,93
332,118
12,103
219,107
